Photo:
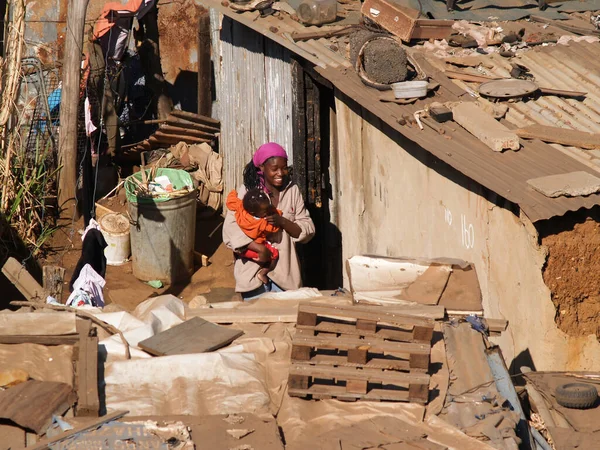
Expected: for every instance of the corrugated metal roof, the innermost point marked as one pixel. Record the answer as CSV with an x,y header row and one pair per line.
x,y
503,173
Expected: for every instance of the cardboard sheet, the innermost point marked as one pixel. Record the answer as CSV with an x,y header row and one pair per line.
x,y
42,363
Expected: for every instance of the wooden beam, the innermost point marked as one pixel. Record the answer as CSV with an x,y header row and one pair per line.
x,y
196,118
563,136
245,314
23,281
204,64
53,281
65,339
88,403
71,78
29,323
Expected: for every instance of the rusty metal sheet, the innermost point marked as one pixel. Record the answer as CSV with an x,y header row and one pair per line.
x,y
506,174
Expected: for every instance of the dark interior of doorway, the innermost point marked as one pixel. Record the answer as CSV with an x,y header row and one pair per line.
x,y
321,259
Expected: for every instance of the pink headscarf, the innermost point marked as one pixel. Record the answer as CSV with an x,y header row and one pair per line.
x,y
266,151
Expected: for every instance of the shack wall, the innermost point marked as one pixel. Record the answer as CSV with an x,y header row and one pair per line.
x,y
394,199
253,83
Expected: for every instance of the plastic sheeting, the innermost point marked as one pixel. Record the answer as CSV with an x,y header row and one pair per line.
x,y
250,376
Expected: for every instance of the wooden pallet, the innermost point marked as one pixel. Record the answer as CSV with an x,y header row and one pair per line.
x,y
357,383
360,352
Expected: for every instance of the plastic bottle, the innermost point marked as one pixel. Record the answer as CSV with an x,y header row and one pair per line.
x,y
317,12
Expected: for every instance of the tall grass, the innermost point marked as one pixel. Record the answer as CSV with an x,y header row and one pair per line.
x,y
30,194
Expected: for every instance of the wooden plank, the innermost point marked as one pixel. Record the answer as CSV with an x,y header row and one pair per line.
x,y
373,363
246,314
484,127
88,402
31,404
440,77
45,443
375,345
563,136
392,315
204,63
398,20
497,325
347,328
418,393
170,129
37,324
358,355
179,122
357,386
67,339
419,361
432,29
23,281
192,336
196,118
53,281
300,352
304,318
340,391
370,375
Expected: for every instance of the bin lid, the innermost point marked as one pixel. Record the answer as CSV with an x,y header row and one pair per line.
x,y
114,223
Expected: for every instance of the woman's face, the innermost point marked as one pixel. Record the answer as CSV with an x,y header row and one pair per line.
x,y
275,171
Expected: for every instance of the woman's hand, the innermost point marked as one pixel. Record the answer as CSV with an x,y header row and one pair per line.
x,y
276,220
290,227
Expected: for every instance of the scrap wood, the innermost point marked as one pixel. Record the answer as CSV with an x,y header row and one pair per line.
x,y
23,281
469,61
432,29
45,443
398,20
583,31
22,324
192,336
53,280
327,32
108,327
88,402
246,314
33,403
563,136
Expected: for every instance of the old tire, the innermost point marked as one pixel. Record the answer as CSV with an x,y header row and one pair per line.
x,y
576,395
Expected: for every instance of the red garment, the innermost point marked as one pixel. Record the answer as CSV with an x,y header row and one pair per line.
x,y
256,229
251,254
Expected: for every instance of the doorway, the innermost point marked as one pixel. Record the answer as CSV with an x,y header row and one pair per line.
x,y
313,104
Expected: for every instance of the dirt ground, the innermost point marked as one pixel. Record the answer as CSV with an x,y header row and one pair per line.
x,y
571,273
215,281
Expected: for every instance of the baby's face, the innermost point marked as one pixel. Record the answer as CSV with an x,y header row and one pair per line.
x,y
264,210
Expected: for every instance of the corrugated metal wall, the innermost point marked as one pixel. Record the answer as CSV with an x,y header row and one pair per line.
x,y
253,94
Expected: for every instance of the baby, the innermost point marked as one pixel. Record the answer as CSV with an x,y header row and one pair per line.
x,y
250,215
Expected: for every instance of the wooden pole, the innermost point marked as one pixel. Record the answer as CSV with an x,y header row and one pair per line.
x,y
204,67
67,141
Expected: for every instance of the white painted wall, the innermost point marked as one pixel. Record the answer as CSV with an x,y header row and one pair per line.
x,y
390,203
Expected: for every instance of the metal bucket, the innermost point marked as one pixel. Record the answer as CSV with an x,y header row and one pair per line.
x,y
162,239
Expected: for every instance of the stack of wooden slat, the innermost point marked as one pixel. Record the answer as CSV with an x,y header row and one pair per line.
x,y
360,352
181,126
